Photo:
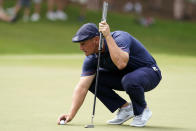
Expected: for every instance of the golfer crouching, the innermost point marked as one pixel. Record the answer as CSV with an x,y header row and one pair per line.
x,y
125,65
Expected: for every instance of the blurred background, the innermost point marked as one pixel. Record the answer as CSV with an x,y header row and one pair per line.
x,y
47,26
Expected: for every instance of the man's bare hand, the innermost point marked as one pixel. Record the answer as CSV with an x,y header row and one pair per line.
x,y
64,117
104,28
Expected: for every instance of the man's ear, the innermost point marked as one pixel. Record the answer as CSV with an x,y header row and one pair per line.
x,y
97,39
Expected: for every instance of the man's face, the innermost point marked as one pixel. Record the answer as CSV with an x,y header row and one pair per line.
x,y
88,46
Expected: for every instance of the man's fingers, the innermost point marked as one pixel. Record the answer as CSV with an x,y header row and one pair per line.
x,y
67,119
58,121
104,28
101,25
61,117
103,22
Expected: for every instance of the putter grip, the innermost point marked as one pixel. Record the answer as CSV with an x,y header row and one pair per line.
x,y
104,17
104,12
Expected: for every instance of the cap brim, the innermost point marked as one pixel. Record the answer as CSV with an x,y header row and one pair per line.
x,y
79,39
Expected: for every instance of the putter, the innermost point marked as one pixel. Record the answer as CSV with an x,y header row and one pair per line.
x,y
104,16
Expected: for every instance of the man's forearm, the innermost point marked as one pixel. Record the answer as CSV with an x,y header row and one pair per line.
x,y
119,57
77,100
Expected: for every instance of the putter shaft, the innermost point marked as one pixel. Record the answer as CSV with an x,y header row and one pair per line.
x,y
104,16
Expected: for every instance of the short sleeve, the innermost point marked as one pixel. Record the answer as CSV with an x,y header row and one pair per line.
x,y
89,65
123,40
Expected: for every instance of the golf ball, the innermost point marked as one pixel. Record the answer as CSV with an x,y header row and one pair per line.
x,y
62,122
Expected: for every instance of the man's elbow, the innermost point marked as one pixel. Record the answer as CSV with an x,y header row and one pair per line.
x,y
122,65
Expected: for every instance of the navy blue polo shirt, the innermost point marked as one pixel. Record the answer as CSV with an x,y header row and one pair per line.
x,y
138,56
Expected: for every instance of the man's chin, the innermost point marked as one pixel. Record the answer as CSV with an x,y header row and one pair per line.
x,y
86,54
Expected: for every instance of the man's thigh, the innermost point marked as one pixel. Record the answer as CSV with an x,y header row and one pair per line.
x,y
111,80
144,77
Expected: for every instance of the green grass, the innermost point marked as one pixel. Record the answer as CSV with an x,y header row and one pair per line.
x,y
36,89
45,37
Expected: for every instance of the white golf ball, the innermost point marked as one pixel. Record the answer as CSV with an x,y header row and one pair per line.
x,y
62,122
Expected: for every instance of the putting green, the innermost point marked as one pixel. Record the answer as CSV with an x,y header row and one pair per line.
x,y
35,90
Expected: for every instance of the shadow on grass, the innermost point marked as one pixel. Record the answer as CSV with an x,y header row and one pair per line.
x,y
127,127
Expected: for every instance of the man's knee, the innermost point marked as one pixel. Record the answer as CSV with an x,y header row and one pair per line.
x,y
130,82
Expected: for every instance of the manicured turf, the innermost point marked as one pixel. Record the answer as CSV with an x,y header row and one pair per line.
x,y
36,89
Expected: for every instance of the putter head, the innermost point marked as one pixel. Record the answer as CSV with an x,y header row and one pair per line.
x,y
89,126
